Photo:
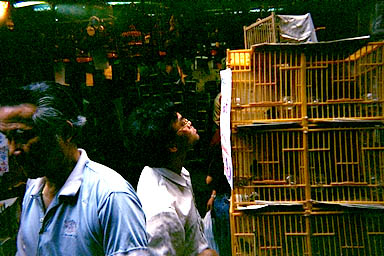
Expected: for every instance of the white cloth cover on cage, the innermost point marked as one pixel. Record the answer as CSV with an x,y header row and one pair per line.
x,y
297,28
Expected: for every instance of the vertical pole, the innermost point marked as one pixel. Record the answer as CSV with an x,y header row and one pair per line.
x,y
307,205
303,92
245,37
308,232
232,223
273,28
380,88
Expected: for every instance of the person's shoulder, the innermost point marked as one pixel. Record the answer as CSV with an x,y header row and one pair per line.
x,y
153,184
150,173
105,178
149,177
154,194
98,168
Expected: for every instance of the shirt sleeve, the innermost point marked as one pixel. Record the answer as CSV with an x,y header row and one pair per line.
x,y
123,225
166,234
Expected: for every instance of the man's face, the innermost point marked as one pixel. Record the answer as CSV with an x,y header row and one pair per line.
x,y
185,129
25,145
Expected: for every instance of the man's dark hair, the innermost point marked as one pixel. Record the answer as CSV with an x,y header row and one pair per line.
x,y
150,132
55,106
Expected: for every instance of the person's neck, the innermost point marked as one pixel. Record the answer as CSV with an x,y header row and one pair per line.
x,y
49,192
176,163
50,188
58,177
55,181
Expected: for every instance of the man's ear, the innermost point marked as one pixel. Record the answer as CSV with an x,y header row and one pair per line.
x,y
172,148
68,131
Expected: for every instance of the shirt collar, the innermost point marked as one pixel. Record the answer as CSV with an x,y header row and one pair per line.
x,y
177,178
38,185
72,184
75,179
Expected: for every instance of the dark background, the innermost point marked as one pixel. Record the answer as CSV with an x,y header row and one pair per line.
x,y
39,37
34,38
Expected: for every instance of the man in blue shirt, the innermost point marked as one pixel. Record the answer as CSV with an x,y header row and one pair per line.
x,y
72,205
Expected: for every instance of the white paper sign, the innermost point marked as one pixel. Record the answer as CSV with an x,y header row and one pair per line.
x,y
225,123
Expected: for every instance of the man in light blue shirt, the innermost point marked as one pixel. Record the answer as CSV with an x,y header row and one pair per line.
x,y
72,205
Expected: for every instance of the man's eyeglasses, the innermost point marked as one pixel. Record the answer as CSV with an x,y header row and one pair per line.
x,y
184,123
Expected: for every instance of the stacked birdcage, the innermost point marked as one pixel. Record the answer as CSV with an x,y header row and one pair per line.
x,y
308,148
262,31
279,29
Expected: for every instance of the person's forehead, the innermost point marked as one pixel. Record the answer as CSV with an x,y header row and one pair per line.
x,y
16,117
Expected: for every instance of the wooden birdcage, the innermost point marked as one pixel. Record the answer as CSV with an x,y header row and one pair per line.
x,y
268,166
346,164
293,232
262,31
317,81
308,140
318,164
279,29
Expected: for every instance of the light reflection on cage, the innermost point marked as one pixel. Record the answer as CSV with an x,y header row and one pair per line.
x,y
330,233
239,60
318,81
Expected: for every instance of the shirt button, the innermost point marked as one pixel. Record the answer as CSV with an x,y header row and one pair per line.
x,y
41,220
